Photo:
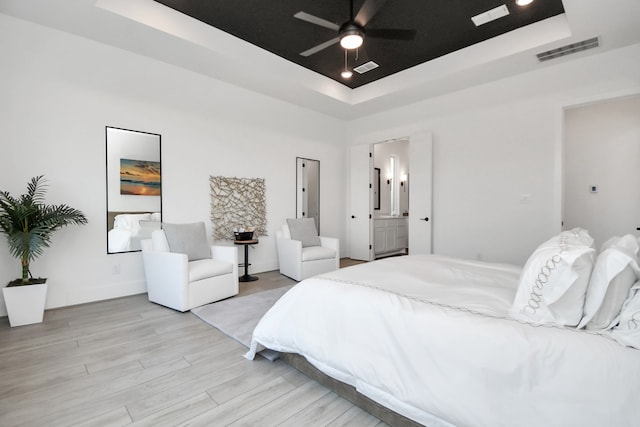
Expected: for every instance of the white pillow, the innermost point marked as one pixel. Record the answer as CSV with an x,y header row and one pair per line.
x,y
627,242
627,331
304,230
575,237
130,222
614,274
189,239
554,281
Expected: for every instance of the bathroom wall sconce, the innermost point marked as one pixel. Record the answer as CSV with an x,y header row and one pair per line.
x,y
403,181
388,181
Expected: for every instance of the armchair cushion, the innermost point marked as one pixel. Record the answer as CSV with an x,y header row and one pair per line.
x,y
304,230
313,253
203,268
189,239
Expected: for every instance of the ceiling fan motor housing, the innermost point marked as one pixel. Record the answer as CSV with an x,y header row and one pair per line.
x,y
351,28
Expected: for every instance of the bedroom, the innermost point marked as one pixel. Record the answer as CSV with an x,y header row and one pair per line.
x,y
63,89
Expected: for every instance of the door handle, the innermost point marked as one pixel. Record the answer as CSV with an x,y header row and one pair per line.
x,y
353,217
426,218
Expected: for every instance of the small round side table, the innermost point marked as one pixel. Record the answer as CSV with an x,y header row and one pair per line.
x,y
246,244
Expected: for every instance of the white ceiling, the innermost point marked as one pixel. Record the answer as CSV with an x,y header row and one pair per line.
x,y
150,29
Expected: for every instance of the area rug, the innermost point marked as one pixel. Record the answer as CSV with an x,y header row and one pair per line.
x,y
237,317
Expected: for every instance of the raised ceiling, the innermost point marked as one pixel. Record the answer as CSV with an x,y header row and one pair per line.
x,y
441,27
151,29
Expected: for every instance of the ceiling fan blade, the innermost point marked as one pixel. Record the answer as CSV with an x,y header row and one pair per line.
x,y
318,21
391,33
368,11
319,47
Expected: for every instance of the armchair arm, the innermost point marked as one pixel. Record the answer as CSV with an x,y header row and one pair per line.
x,y
333,243
226,253
167,277
290,257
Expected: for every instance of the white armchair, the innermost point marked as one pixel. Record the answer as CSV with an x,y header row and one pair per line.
x,y
300,261
176,282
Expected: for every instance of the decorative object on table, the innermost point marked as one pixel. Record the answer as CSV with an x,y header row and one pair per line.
x,y
235,203
28,224
243,234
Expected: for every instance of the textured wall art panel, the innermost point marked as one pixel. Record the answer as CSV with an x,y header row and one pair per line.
x,y
237,203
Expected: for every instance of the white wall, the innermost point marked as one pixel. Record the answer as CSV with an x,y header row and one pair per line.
x,y
59,92
498,143
602,149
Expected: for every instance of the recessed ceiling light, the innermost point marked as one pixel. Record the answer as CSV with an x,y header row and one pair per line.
x,y
523,2
346,74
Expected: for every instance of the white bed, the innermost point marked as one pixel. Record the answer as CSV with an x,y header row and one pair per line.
x,y
431,338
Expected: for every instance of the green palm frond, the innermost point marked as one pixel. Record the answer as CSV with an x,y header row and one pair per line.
x,y
29,223
36,190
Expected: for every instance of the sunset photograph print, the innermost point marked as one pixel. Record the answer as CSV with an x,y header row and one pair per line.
x,y
139,177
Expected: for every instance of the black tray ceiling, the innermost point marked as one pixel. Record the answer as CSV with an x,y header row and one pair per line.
x,y
442,27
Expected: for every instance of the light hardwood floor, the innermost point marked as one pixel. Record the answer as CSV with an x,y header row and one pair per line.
x,y
128,362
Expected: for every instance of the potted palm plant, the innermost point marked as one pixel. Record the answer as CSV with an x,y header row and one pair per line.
x,y
29,224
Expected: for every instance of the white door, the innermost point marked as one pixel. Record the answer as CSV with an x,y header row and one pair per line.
x,y
359,221
420,182
602,168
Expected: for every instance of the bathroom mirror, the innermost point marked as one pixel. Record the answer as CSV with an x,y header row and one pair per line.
x,y
376,189
308,189
134,190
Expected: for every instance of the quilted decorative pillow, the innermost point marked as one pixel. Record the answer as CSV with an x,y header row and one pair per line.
x,y
189,239
554,281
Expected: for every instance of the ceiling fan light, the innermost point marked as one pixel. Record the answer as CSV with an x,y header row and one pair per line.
x,y
523,2
351,41
346,74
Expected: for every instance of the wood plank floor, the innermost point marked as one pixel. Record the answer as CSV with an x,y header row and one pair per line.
x,y
127,361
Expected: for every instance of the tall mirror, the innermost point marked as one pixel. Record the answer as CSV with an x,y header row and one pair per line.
x,y
308,189
134,190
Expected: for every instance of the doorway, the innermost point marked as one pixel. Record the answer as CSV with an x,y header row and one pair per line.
x,y
602,168
410,194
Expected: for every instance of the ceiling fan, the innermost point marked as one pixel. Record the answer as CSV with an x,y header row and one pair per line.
x,y
351,34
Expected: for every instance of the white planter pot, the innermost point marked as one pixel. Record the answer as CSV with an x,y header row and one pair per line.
x,y
25,304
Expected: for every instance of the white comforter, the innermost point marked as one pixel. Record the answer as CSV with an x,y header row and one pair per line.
x,y
430,337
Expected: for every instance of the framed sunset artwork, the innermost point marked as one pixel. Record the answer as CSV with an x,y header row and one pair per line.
x,y
139,177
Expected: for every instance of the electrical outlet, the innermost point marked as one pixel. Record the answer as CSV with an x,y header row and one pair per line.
x,y
115,270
